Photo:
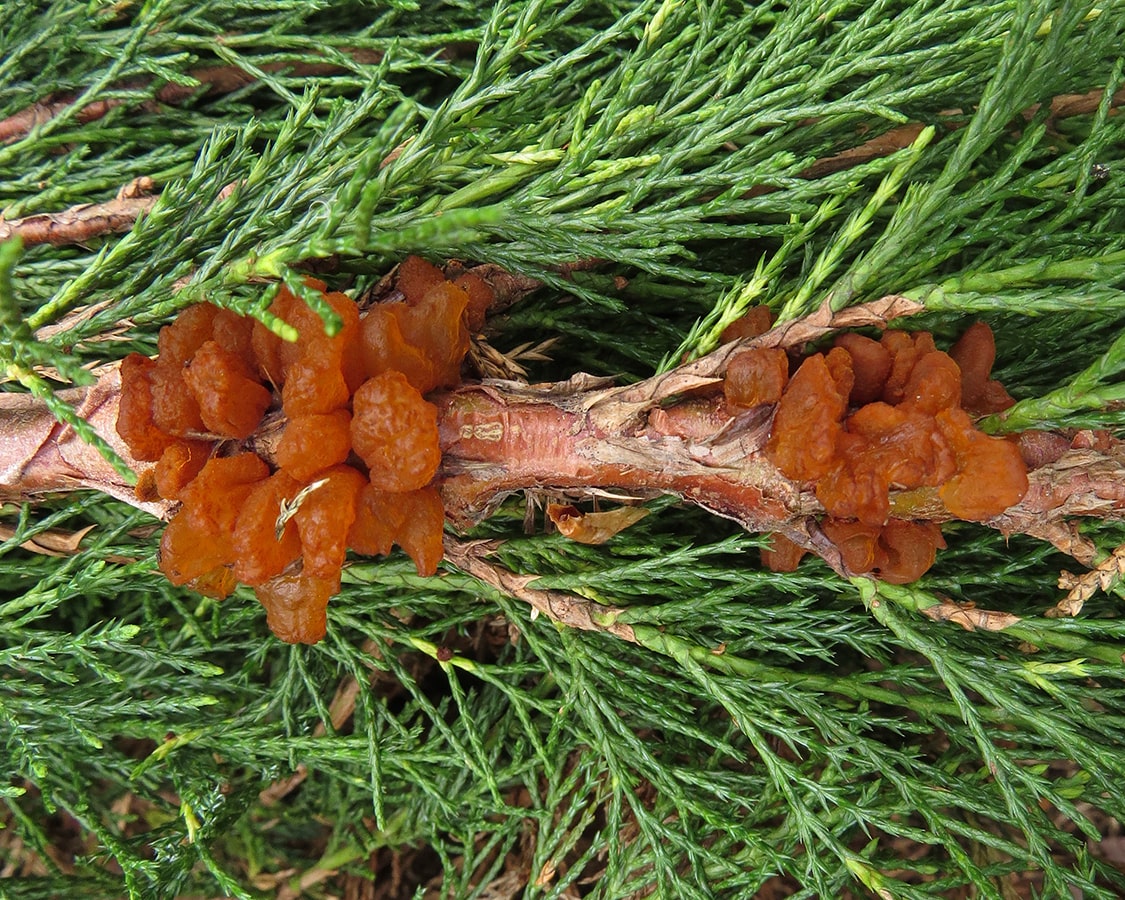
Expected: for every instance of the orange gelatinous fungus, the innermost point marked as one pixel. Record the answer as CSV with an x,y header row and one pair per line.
x,y
192,328
223,478
934,383
135,425
385,349
218,583
856,542
923,342
264,548
288,306
994,398
325,517
916,436
145,489
883,447
426,341
275,355
312,443
757,320
904,442
853,489
756,376
297,605
379,516
906,550
345,344
234,334
287,534
782,555
991,474
317,373
200,536
267,351
871,364
904,350
179,465
839,363
420,534
313,386
191,545
481,298
897,552
415,277
436,327
394,430
975,353
174,406
802,443
231,401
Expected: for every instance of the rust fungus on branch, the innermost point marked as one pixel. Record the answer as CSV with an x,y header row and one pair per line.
x,y
354,446
273,459
867,419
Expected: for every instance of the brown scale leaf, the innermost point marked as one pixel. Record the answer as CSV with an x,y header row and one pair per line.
x,y
52,542
969,617
1103,577
593,527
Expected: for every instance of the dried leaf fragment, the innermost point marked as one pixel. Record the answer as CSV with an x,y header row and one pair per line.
x,y
1082,587
969,617
52,542
594,527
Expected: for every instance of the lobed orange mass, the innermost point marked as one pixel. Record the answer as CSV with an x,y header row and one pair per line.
x,y
357,453
869,418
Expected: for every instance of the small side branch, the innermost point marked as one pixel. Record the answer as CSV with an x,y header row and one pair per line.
x,y
563,608
208,80
85,222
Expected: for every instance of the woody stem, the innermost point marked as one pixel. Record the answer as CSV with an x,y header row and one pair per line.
x,y
505,437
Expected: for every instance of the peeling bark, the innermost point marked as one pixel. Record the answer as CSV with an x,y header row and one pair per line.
x,y
39,455
79,224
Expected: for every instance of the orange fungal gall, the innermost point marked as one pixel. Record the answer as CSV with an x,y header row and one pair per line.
x,y
356,453
901,427
394,431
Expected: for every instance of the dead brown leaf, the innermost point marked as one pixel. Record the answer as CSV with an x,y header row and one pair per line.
x,y
52,542
593,527
969,617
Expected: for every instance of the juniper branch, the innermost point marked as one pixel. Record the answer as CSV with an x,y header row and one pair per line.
x,y
675,144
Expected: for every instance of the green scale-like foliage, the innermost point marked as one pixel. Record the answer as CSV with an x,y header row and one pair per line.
x,y
793,730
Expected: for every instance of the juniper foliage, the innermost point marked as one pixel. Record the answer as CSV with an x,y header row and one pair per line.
x,y
794,730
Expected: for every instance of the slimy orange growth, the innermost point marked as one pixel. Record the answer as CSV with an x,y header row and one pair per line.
x,y
871,417
284,456
356,455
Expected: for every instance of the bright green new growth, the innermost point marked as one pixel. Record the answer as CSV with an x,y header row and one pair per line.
x,y
763,724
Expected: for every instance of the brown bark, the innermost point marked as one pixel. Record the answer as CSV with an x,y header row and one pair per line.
x,y
78,224
40,456
211,80
498,439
